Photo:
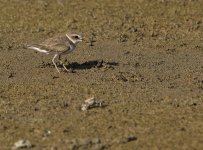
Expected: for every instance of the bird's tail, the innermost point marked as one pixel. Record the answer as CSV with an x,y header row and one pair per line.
x,y
37,49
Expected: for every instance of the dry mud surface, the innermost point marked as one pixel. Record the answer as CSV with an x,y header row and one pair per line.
x,y
142,58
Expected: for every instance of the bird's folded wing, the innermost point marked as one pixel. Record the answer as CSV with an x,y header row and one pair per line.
x,y
55,44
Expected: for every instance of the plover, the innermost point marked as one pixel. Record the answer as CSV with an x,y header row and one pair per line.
x,y
58,46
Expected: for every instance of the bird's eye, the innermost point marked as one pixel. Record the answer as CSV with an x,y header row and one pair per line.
x,y
77,37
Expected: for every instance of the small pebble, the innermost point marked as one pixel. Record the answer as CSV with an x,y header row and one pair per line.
x,y
22,144
90,103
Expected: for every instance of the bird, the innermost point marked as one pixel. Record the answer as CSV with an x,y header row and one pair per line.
x,y
58,46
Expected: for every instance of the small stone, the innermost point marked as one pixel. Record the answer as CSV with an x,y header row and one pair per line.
x,y
121,77
90,103
66,130
123,38
11,75
22,144
131,138
127,139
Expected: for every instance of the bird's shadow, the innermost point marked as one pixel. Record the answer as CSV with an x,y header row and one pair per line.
x,y
83,66
91,64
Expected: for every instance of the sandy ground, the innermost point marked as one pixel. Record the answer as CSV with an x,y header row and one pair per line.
x,y
142,58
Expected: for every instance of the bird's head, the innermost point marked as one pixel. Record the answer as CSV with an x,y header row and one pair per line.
x,y
75,38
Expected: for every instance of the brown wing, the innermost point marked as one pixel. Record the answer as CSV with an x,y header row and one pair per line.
x,y
58,43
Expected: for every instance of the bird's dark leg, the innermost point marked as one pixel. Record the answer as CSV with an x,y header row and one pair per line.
x,y
59,57
53,60
64,66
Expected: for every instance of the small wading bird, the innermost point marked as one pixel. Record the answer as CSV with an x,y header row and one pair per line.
x,y
58,46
